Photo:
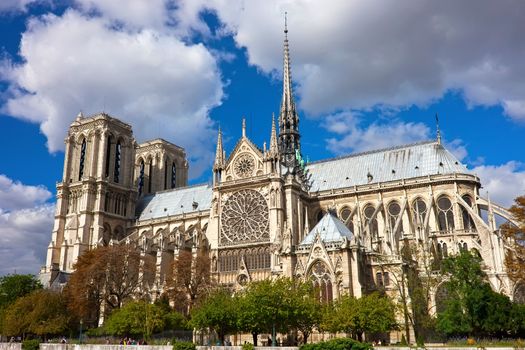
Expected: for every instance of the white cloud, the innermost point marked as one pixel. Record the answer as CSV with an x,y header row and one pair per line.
x,y
355,138
502,182
160,85
26,222
15,195
14,5
360,54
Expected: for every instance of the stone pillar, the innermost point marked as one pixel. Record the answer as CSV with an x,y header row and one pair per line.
x,y
355,278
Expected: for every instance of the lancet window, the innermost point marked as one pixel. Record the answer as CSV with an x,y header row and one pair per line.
x,y
345,217
445,214
442,250
419,210
394,213
173,175
371,221
108,156
82,159
141,177
254,258
118,156
468,222
322,281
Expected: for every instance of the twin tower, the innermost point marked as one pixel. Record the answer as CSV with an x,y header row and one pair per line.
x,y
105,172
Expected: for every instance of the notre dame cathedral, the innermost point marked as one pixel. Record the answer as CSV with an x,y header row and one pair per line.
x,y
340,222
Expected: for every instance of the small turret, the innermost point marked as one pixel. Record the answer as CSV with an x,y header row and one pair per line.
x,y
220,155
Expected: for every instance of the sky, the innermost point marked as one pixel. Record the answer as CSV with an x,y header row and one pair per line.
x,y
367,75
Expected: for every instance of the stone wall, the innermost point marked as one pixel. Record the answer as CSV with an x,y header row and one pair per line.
x,y
10,346
46,346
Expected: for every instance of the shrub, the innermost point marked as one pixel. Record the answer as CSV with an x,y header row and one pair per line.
x,y
337,344
248,346
31,344
183,345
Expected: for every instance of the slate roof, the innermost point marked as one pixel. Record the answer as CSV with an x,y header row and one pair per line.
x,y
174,202
330,229
404,162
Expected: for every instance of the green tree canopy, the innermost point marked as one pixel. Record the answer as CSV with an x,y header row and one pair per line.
x,y
218,311
141,318
42,313
13,287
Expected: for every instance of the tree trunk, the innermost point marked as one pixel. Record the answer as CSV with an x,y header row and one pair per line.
x,y
305,337
360,336
254,337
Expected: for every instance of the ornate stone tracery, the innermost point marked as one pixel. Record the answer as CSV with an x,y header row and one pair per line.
x,y
244,165
244,218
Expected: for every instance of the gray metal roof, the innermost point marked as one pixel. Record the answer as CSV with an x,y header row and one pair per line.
x,y
404,162
174,202
330,229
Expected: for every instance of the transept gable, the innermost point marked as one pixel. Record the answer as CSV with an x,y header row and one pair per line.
x,y
318,252
245,161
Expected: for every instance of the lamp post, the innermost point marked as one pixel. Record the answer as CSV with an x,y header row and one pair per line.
x,y
80,332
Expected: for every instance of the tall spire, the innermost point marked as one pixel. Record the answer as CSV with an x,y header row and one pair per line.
x,y
289,136
219,154
274,148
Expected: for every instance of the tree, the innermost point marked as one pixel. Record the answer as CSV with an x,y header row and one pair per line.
x,y
218,311
141,318
42,313
306,309
472,308
103,276
267,306
191,279
515,257
13,287
372,313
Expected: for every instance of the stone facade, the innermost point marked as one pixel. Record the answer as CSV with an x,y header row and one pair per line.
x,y
341,223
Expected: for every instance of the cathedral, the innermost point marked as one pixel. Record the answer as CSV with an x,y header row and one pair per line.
x,y
341,223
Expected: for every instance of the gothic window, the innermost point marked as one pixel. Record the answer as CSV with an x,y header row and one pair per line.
x,y
320,277
141,177
386,279
444,250
345,217
394,212
150,175
441,298
173,175
468,222
244,218
106,201
379,279
118,155
445,214
370,222
463,246
108,156
82,159
419,210
166,175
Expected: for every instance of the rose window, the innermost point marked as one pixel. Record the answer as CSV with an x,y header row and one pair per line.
x,y
244,165
244,218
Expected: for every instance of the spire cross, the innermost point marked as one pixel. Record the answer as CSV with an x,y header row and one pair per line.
x,y
243,127
285,22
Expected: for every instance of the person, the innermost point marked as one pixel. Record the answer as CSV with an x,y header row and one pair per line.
x,y
63,341
12,340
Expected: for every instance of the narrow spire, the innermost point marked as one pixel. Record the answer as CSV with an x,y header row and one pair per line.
x,y
289,145
243,127
438,132
219,154
274,147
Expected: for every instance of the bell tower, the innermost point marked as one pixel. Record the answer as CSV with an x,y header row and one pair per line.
x,y
96,198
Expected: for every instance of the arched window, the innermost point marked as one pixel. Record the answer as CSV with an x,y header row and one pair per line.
x,y
370,222
468,222
441,298
345,217
320,277
82,159
445,214
419,210
118,155
386,279
108,156
379,279
444,250
141,177
150,175
173,175
394,213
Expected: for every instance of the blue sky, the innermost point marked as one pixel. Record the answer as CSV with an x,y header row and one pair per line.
x,y
367,75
